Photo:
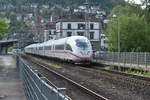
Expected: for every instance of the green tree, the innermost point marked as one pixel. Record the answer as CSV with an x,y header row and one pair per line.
x,y
134,34
3,28
103,4
146,3
132,23
46,13
20,30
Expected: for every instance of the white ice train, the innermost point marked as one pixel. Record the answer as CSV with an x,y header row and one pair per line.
x,y
74,48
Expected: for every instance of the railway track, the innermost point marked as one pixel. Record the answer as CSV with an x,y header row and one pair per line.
x,y
144,81
120,76
86,90
108,78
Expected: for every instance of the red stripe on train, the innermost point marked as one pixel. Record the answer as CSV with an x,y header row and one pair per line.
x,y
64,52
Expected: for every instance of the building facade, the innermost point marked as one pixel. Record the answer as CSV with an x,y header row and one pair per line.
x,y
76,25
68,28
71,27
49,34
49,31
104,44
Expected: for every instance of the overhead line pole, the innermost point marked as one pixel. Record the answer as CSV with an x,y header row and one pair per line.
x,y
87,19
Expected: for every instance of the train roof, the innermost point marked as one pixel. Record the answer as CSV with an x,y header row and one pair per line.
x,y
59,41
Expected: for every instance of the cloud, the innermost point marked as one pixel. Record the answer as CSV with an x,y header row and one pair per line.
x,y
135,1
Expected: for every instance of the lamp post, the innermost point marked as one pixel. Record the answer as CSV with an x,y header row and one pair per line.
x,y
100,28
102,23
118,32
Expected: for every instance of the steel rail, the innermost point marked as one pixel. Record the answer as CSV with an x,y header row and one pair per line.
x,y
88,91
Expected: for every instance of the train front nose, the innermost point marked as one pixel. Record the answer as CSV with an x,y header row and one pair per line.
x,y
85,53
84,49
83,57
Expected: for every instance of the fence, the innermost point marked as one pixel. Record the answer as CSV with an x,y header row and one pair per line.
x,y
128,59
37,87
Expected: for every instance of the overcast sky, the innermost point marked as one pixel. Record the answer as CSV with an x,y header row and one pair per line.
x,y
136,1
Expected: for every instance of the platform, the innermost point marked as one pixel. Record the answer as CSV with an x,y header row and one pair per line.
x,y
11,87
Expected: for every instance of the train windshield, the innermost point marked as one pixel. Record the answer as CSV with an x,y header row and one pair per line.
x,y
81,43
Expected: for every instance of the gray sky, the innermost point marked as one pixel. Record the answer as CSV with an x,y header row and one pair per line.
x,y
136,1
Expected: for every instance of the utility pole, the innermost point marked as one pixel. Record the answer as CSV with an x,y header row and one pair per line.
x,y
100,29
61,26
118,35
87,19
37,23
61,32
118,32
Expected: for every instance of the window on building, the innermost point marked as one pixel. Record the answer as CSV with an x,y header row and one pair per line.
x,y
54,32
50,32
69,34
50,37
91,26
105,41
91,35
81,26
69,26
80,33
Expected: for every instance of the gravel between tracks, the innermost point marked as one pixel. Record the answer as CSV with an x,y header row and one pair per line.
x,y
106,85
72,91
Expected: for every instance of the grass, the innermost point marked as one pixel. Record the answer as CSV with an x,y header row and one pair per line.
x,y
107,67
47,63
137,71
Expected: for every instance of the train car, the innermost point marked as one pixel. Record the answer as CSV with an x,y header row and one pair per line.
x,y
74,48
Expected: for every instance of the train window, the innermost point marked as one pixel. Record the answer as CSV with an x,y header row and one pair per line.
x,y
40,48
59,47
68,47
47,47
81,43
37,48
